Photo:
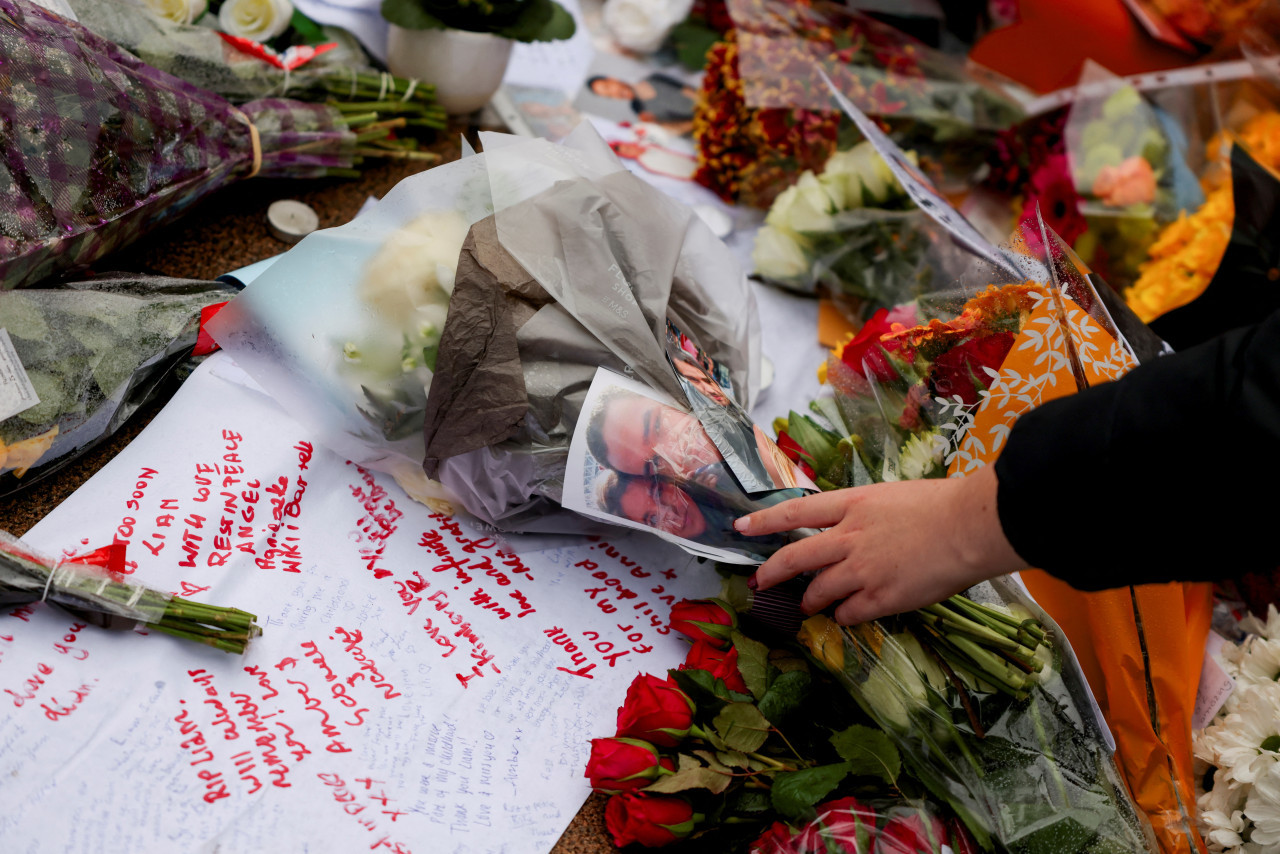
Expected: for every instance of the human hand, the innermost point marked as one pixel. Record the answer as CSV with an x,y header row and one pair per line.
x,y
888,547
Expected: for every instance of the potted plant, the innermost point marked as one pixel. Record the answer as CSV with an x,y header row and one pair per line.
x,y
462,46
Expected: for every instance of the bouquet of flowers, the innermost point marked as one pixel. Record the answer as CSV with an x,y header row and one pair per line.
x,y
851,231
764,116
100,147
94,588
748,737
1239,801
240,71
91,353
1128,160
932,389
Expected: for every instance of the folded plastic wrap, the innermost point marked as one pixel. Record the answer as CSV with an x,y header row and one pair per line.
x,y
582,266
92,353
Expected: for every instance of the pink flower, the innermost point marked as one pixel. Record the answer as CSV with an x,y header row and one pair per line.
x,y
1053,190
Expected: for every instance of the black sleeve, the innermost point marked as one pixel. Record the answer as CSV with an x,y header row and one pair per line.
x,y
1170,473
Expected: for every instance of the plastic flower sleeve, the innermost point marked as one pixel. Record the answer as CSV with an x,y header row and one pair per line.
x,y
581,267
764,115
201,56
344,329
1128,162
852,232
92,585
1014,752
92,353
94,588
99,147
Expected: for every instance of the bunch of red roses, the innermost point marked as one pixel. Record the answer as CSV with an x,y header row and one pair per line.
x,y
698,756
657,714
849,826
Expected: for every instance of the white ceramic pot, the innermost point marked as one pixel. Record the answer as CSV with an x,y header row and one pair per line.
x,y
466,68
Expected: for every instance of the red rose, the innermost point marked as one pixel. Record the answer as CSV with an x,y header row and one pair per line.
x,y
656,711
720,663
778,839
848,826
960,369
866,355
650,820
911,834
623,764
705,620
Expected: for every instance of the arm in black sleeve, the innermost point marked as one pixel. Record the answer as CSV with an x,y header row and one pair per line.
x,y
1170,473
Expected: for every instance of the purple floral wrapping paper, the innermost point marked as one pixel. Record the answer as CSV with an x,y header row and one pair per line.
x,y
97,147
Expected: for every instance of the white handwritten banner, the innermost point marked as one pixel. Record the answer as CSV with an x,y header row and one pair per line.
x,y
421,685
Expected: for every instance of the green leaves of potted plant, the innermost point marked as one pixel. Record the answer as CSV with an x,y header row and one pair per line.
x,y
463,46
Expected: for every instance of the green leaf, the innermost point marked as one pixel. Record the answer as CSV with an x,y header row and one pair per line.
x,y
795,792
692,41
691,775
752,801
701,687
869,752
741,727
713,760
307,28
785,695
787,661
733,759
540,21
753,662
411,15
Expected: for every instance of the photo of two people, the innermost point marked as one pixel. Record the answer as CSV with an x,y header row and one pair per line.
x,y
641,460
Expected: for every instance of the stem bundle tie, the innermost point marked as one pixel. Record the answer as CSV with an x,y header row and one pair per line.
x,y
254,138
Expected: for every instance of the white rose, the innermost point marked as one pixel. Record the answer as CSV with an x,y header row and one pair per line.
x,y
178,11
804,207
642,25
410,278
860,177
779,254
260,20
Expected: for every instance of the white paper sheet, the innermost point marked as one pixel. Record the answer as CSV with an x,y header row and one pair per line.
x,y
420,686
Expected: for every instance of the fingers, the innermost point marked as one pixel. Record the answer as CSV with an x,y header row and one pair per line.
x,y
806,555
821,510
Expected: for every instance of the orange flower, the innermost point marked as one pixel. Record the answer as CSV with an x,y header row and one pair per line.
x,y
1184,257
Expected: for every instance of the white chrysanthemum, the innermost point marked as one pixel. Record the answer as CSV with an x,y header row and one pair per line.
x,y
1260,661
921,455
1270,629
1226,796
1263,809
1246,742
1221,831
